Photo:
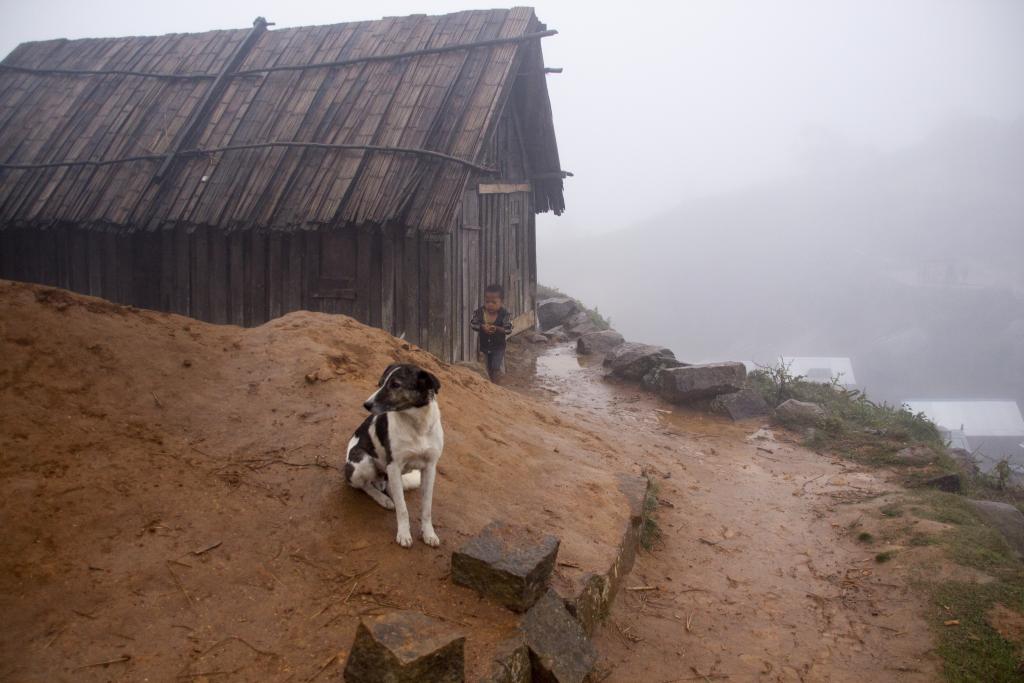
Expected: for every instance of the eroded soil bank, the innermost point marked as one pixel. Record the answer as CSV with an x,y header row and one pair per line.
x,y
172,506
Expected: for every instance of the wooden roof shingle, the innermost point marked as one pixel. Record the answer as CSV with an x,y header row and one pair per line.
x,y
446,101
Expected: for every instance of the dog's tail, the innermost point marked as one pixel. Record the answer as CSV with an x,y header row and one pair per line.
x,y
411,480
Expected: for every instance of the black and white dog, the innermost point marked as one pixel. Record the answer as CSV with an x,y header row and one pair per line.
x,y
399,441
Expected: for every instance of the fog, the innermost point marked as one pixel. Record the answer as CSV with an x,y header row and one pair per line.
x,y
756,179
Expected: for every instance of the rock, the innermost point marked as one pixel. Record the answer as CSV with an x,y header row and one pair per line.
x,y
650,380
743,404
1005,518
916,455
556,334
590,599
511,662
799,411
582,329
598,342
693,382
508,563
551,312
559,649
578,324
405,647
950,483
576,319
536,338
631,360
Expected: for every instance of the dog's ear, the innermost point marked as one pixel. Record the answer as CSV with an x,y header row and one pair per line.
x,y
428,381
387,371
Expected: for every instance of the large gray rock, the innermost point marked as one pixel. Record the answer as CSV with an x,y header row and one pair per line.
x,y
743,404
950,483
576,319
631,360
693,382
799,411
560,651
510,564
579,324
598,342
582,329
1005,518
552,312
557,334
406,647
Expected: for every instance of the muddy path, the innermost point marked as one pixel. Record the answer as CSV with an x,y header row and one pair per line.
x,y
758,575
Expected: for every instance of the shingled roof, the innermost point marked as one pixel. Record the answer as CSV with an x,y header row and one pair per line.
x,y
445,101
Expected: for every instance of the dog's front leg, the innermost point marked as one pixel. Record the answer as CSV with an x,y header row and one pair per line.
x,y
426,524
404,536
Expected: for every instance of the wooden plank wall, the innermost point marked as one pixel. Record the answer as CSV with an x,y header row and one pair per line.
x,y
387,277
424,287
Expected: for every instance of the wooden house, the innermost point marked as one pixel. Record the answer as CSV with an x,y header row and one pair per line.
x,y
386,170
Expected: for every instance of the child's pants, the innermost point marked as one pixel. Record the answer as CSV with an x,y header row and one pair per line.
x,y
494,360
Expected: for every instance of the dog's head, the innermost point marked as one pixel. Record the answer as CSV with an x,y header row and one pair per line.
x,y
403,386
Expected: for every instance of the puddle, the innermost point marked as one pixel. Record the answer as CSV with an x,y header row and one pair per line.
x,y
574,381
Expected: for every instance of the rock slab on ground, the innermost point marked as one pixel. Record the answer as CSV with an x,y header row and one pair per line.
x,y
406,647
551,312
743,404
598,342
1004,518
916,455
799,411
631,360
950,483
560,650
694,382
507,563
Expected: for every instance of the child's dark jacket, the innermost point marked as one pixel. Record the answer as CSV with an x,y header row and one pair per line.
x,y
495,341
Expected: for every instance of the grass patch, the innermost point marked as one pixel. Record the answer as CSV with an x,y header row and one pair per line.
x,y
919,540
872,433
891,510
947,508
650,532
973,651
980,547
854,425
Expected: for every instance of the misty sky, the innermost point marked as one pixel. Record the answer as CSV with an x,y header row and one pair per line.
x,y
661,102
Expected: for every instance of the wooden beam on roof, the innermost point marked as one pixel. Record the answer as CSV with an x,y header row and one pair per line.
x,y
202,110
206,151
288,67
104,72
401,55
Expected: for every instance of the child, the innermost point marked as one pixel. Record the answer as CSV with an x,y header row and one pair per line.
x,y
493,323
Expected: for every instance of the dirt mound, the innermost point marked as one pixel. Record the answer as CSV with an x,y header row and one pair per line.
x,y
172,505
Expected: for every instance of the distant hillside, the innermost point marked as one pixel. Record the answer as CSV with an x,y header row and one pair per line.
x,y
909,262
